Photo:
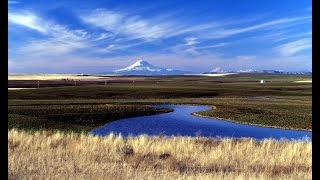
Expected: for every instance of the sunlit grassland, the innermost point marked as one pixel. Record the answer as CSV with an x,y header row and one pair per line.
x,y
42,155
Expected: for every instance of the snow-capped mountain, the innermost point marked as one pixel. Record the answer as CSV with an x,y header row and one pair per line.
x,y
247,71
219,70
144,68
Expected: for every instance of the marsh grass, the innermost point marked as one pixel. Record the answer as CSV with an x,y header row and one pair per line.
x,y
286,114
52,155
74,117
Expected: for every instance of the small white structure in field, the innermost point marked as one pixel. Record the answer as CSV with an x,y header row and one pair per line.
x,y
262,81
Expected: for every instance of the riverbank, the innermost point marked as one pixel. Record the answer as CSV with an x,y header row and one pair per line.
x,y
42,155
181,122
81,117
243,122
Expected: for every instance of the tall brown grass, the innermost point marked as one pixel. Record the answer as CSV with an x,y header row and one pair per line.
x,y
46,155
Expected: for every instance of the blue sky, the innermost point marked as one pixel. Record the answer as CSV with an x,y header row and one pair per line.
x,y
104,35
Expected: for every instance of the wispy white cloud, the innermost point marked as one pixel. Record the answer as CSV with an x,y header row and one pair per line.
x,y
191,46
212,46
246,57
28,20
292,48
43,48
13,2
130,27
147,29
133,26
104,36
222,33
115,47
292,36
190,41
58,39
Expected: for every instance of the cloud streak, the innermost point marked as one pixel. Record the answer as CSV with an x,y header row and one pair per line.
x,y
28,20
136,27
294,47
12,2
222,33
58,39
133,26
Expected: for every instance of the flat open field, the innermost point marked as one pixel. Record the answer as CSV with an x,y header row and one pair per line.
x,y
25,77
238,98
57,80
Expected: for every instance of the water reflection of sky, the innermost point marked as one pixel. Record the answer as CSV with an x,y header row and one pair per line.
x,y
181,122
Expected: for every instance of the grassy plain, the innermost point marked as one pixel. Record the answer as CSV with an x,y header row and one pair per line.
x,y
48,129
238,98
42,155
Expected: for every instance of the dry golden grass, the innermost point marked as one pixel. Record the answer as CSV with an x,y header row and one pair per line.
x,y
305,81
46,155
23,77
51,77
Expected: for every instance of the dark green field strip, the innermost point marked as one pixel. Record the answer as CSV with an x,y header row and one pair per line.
x,y
32,123
163,91
205,101
75,118
107,92
284,115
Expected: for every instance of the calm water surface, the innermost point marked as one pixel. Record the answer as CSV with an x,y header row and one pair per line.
x,y
181,122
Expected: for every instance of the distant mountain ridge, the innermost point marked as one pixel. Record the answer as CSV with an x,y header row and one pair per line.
x,y
219,70
142,67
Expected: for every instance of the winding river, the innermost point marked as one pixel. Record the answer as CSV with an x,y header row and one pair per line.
x,y
181,122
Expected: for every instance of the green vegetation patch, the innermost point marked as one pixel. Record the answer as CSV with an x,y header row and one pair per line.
x,y
165,90
287,114
77,118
